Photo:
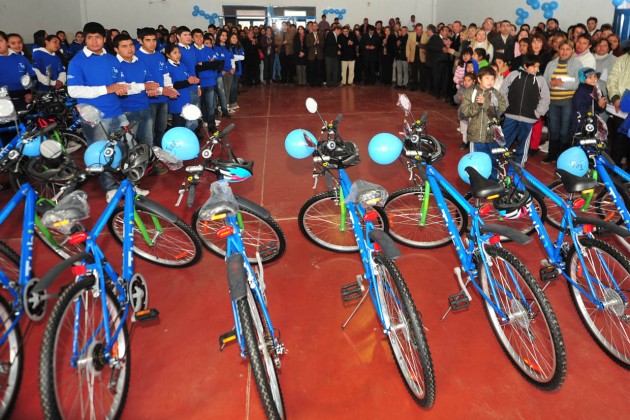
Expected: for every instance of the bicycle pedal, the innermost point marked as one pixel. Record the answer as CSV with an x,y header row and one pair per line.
x,y
548,273
458,301
351,291
226,338
146,315
268,249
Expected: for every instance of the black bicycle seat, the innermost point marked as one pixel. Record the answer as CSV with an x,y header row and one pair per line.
x,y
481,187
573,183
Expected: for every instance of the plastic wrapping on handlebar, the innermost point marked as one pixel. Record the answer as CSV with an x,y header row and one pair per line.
x,y
195,168
319,159
499,150
588,142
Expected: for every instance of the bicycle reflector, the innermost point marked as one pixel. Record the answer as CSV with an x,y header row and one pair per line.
x,y
370,216
495,239
225,231
588,228
78,270
77,238
579,203
485,209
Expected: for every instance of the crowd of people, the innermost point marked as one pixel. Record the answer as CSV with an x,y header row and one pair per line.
x,y
535,77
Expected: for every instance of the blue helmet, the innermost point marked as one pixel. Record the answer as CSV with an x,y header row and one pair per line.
x,y
574,161
95,154
296,145
31,147
384,148
181,142
480,161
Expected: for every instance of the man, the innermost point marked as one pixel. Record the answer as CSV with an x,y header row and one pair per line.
x,y
528,98
591,25
456,41
77,45
579,30
400,63
323,26
207,68
365,26
488,26
618,83
331,57
369,46
156,65
438,59
583,51
552,27
348,46
504,43
315,55
412,22
412,51
281,41
189,59
94,79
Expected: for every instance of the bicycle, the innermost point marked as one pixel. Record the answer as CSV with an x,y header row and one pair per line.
x,y
353,205
518,310
85,355
253,331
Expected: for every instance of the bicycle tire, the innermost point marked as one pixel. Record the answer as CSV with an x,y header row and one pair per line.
x,y
601,328
263,367
56,371
11,353
258,231
175,245
403,212
406,334
191,196
319,220
524,325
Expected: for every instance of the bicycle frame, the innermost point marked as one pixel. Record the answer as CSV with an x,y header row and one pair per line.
x,y
602,165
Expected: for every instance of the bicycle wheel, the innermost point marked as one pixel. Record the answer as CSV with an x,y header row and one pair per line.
x,y
531,335
82,383
405,332
169,244
320,221
404,211
609,326
259,234
57,242
258,343
11,354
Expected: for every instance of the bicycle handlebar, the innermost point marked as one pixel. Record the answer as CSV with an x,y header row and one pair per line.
x,y
588,142
41,131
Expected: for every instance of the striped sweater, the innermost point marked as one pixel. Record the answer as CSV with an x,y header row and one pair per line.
x,y
556,69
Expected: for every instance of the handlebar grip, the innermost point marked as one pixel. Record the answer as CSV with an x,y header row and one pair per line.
x,y
319,159
195,168
498,150
227,130
94,169
423,118
337,119
588,142
191,195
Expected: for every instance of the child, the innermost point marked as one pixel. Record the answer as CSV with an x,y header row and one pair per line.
x,y
467,81
460,71
587,98
472,66
480,56
480,104
181,82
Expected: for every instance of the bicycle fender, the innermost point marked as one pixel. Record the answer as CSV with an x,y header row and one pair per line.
x,y
236,276
151,206
609,226
386,243
510,233
54,272
250,205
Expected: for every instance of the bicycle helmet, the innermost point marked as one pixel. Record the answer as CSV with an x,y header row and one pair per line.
x,y
425,146
384,148
181,142
296,145
480,161
234,171
99,154
574,161
135,164
513,204
341,154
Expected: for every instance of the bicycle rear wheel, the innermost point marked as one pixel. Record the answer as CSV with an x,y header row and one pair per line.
x,y
405,332
320,221
169,244
260,234
531,335
609,326
404,211
82,383
258,342
57,242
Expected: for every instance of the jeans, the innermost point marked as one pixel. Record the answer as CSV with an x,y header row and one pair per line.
x,y
521,132
227,81
220,88
159,119
277,68
234,89
194,99
559,120
101,132
143,128
208,105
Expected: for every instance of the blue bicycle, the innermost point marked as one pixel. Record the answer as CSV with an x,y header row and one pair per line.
x,y
254,331
345,219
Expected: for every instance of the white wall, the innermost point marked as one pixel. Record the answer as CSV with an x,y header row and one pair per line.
x,y
27,16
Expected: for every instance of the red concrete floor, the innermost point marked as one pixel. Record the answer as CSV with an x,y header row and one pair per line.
x,y
178,371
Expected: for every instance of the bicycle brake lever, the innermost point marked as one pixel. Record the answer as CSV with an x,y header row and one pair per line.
x,y
181,191
316,177
410,169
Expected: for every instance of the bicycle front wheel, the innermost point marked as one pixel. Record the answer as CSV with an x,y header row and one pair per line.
x,y
530,335
410,226
611,283
405,332
258,341
157,240
77,378
320,220
260,234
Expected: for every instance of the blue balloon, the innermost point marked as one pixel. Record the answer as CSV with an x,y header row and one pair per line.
x,y
340,17
617,3
535,5
478,160
519,11
181,142
343,11
574,161
548,15
211,20
94,155
520,21
525,14
384,148
554,5
325,12
545,6
296,146
196,8
209,17
215,15
195,13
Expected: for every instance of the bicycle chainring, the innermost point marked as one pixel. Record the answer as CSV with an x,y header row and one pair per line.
x,y
34,303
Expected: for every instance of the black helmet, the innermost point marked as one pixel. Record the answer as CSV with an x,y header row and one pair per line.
x,y
135,164
425,145
513,204
342,154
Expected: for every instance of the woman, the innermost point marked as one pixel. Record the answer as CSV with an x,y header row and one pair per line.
x,y
614,45
562,77
555,43
481,41
387,55
16,43
522,34
299,53
538,47
12,67
224,81
252,60
269,52
109,41
238,53
51,74
181,82
605,60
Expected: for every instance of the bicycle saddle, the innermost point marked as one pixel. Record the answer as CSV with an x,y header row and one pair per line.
x,y
573,183
367,194
71,209
221,201
481,187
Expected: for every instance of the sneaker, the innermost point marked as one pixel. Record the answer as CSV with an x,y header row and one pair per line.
x,y
140,191
217,122
109,195
231,110
235,106
549,159
544,147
